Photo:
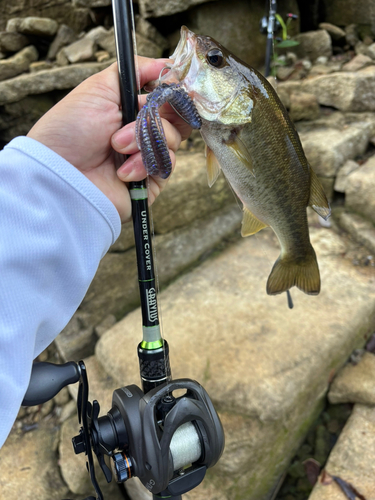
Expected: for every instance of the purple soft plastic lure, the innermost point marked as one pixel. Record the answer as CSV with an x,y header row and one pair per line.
x,y
149,129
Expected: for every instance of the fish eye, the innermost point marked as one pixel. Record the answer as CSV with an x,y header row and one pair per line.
x,y
215,58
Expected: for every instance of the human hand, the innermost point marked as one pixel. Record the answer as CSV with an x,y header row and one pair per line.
x,y
85,129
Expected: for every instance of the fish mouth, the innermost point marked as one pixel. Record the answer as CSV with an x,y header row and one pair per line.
x,y
180,59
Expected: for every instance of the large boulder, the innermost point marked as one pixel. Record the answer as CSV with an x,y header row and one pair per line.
x,y
266,367
29,468
360,189
41,82
313,44
61,11
235,25
349,91
39,26
12,42
158,8
346,12
18,63
352,460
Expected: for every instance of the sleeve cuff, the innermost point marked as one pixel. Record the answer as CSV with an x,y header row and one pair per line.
x,y
72,176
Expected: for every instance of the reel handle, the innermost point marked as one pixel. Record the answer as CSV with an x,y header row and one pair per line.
x,y
47,380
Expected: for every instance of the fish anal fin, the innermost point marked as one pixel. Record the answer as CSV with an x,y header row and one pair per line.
x,y
236,145
287,273
213,167
250,223
318,199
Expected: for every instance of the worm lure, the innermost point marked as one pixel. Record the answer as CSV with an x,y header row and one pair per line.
x,y
149,129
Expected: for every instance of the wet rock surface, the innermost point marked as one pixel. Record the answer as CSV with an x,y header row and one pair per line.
x,y
281,391
355,382
352,459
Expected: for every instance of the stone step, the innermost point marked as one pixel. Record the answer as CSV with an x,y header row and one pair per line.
x,y
352,459
267,368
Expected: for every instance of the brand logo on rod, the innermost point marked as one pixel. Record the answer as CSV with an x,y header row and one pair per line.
x,y
152,307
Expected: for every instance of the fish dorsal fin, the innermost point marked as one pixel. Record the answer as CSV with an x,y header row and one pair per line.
x,y
213,167
318,199
250,223
241,151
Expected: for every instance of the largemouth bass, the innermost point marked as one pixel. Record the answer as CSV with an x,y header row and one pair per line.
x,y
250,137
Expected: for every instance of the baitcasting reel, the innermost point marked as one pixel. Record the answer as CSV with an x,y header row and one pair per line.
x,y
167,442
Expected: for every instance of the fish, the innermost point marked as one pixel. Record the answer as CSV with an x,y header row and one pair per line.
x,y
251,139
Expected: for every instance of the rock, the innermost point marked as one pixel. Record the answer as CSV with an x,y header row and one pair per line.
x,y
68,410
349,92
73,467
147,48
360,229
81,50
45,81
322,60
29,459
358,62
313,44
371,51
158,8
39,66
125,240
320,69
360,188
284,72
65,36
328,149
262,364
77,340
355,383
40,26
352,459
189,189
335,32
61,58
104,38
101,384
148,30
235,25
114,289
304,106
92,3
342,175
105,325
344,12
12,42
18,63
102,55
351,35
62,11
17,118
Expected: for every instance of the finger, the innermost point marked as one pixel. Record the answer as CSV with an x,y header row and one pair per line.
x,y
149,69
124,141
133,170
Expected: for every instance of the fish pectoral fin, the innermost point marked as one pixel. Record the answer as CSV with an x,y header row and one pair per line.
x,y
241,151
213,167
318,199
250,223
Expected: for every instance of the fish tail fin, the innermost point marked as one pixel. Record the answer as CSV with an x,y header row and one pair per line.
x,y
286,273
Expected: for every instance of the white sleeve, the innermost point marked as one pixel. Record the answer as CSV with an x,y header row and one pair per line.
x,y
55,226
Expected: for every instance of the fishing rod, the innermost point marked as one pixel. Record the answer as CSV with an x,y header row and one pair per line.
x,y
167,442
270,32
153,351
